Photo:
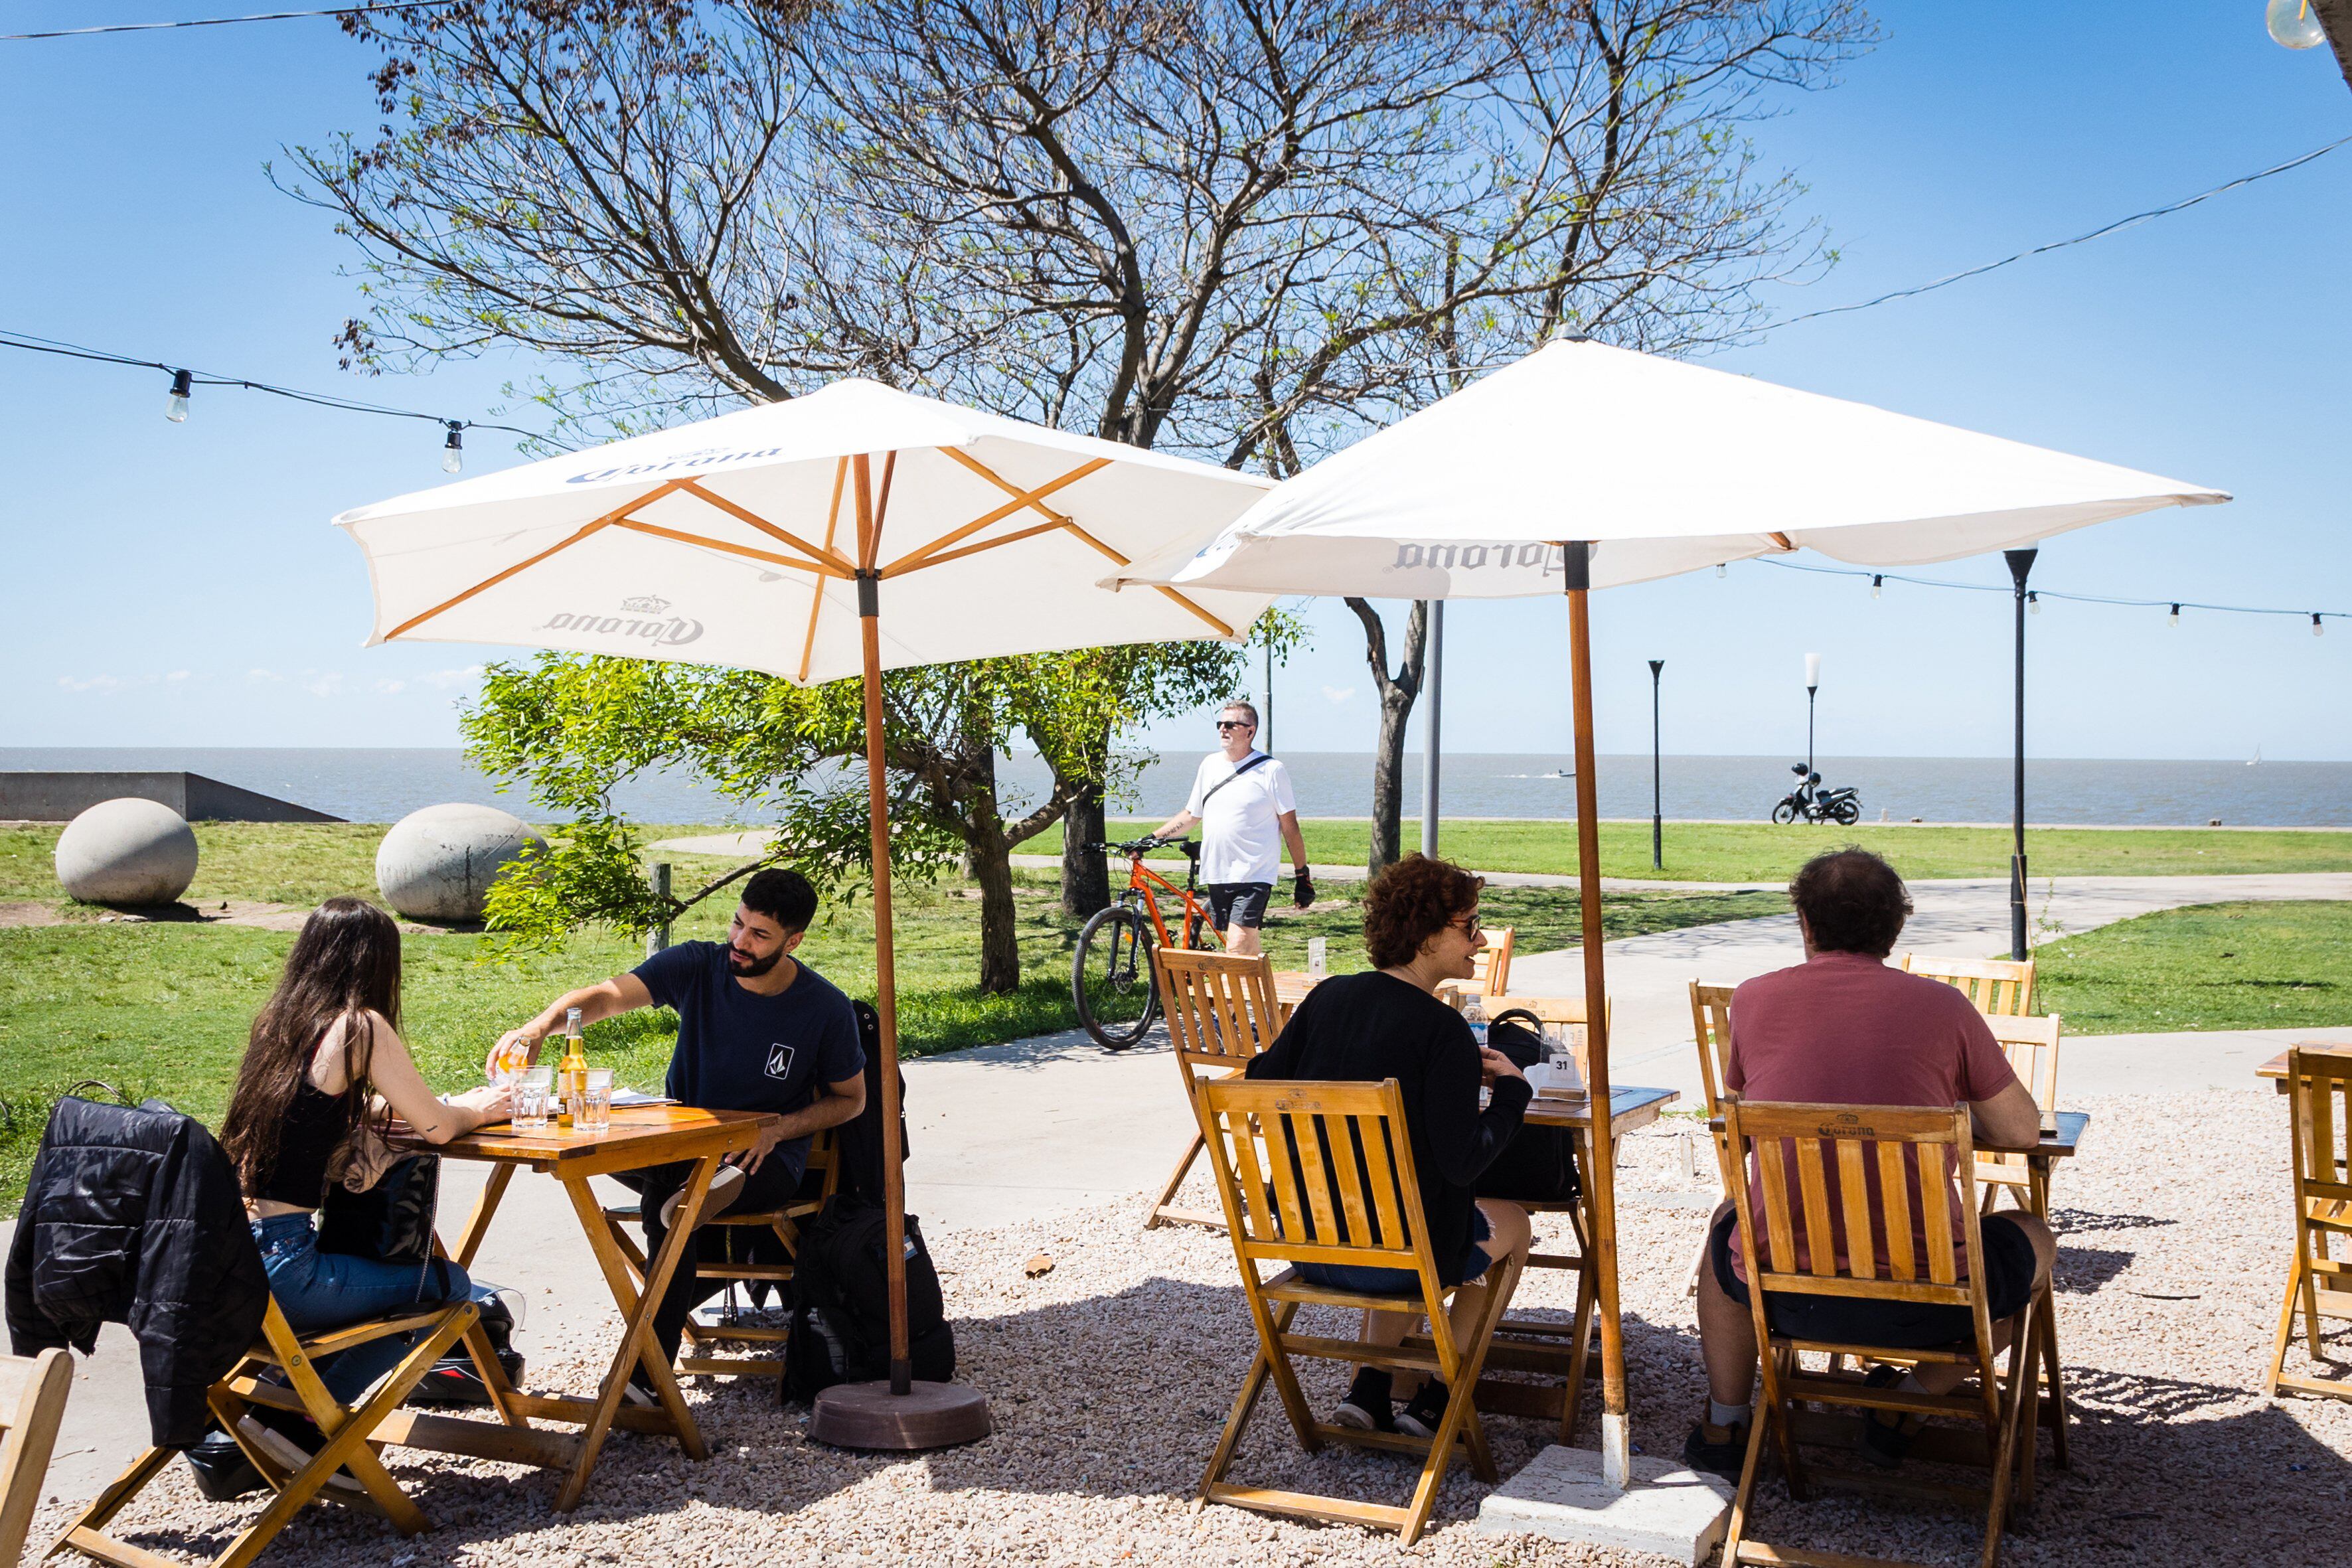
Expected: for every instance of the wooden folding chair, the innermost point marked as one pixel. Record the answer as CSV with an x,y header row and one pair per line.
x,y
1323,1172
1220,1012
1711,1031
784,1224
2000,987
345,1469
1493,975
2032,1045
33,1392
1878,1153
2319,1095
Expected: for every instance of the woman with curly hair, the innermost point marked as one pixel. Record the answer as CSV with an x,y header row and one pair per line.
x,y
1421,927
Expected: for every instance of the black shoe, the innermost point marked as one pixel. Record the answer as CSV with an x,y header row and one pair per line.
x,y
1886,1434
1367,1407
1717,1450
1424,1410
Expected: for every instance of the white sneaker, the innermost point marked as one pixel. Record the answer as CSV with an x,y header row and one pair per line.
x,y
723,1188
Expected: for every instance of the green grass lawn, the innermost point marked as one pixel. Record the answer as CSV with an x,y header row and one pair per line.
x,y
1762,852
2209,966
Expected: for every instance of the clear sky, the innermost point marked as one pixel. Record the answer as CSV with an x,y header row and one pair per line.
x,y
178,584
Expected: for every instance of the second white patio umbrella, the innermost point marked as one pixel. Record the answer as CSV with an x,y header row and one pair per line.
x,y
1584,466
768,539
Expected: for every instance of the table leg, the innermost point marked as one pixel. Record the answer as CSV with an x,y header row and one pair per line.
x,y
638,1313
2045,1324
477,1224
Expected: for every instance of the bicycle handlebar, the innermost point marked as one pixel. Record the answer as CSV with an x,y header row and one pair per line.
x,y
1140,847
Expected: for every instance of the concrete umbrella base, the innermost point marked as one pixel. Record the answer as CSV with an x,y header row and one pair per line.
x,y
928,1416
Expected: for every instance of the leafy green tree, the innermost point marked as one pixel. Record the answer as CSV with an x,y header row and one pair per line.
x,y
570,727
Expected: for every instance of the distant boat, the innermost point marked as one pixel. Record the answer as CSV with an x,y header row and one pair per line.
x,y
1559,773
2256,758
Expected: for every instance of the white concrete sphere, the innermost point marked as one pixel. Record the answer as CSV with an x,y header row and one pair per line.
x,y
437,864
127,852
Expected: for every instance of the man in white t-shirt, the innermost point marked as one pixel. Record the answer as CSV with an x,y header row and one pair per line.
x,y
1241,799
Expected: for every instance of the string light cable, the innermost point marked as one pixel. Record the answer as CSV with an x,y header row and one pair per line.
x,y
390,6
184,381
2119,226
2034,596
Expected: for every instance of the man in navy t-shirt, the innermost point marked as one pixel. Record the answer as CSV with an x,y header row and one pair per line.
x,y
757,1030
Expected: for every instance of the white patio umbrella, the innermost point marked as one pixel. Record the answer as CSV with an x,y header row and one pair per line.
x,y
1584,466
764,539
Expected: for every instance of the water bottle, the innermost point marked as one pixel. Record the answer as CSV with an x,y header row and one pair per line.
x,y
1473,1013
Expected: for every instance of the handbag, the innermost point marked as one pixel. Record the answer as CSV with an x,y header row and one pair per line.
x,y
1538,1165
391,1221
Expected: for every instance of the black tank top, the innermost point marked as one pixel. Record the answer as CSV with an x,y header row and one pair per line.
x,y
315,1126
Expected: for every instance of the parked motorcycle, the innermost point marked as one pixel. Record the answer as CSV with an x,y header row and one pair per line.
x,y
1810,802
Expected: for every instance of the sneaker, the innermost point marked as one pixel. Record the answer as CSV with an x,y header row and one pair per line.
x,y
723,1189
1424,1410
1886,1434
1367,1407
1717,1450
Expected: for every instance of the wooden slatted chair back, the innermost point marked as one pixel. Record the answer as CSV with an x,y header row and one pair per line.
x,y
2000,988
1493,975
33,1392
2031,1046
1856,1162
1319,1172
1711,1031
1220,1006
2319,1089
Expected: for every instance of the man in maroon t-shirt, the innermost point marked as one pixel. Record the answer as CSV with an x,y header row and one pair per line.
x,y
1843,1028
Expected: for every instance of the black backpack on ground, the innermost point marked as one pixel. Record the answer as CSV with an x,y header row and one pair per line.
x,y
1538,1165
841,1303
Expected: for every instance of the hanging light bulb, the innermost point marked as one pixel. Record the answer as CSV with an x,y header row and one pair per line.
x,y
175,407
2032,604
2174,618
2316,629
1722,570
2293,26
1875,580
453,450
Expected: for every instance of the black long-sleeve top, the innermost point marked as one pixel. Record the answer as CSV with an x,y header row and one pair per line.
x,y
1368,1026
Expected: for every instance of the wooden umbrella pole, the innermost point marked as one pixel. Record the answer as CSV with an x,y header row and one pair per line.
x,y
885,981
1616,1437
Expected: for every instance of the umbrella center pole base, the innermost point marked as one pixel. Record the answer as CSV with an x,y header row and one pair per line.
x,y
928,1416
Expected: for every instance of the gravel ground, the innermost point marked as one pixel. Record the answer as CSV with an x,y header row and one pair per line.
x,y
1110,1375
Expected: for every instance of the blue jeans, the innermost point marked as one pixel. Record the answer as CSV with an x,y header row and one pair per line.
x,y
319,1290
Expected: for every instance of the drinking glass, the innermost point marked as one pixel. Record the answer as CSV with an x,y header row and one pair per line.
x,y
533,1086
596,1101
1318,953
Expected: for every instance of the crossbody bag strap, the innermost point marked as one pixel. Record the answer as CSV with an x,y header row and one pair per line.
x,y
1255,761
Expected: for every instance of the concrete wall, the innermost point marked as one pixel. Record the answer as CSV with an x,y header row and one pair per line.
x,y
61,797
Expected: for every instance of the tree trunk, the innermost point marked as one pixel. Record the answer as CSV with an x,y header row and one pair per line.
x,y
1086,873
1388,781
1397,693
999,947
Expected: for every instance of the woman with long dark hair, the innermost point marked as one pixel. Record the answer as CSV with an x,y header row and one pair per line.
x,y
325,1057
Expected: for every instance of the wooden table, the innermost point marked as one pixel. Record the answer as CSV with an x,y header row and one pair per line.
x,y
1522,1345
2275,1068
640,1136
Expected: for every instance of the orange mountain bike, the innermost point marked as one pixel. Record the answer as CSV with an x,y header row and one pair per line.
x,y
1111,978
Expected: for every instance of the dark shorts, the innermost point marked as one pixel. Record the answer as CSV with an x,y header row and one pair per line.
x,y
1238,904
1401,1281
1896,1325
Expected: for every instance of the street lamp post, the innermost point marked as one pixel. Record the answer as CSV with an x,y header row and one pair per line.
x,y
1657,791
2020,562
1812,687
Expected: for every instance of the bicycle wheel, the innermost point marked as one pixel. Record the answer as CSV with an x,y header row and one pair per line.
x,y
1111,980
1785,812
